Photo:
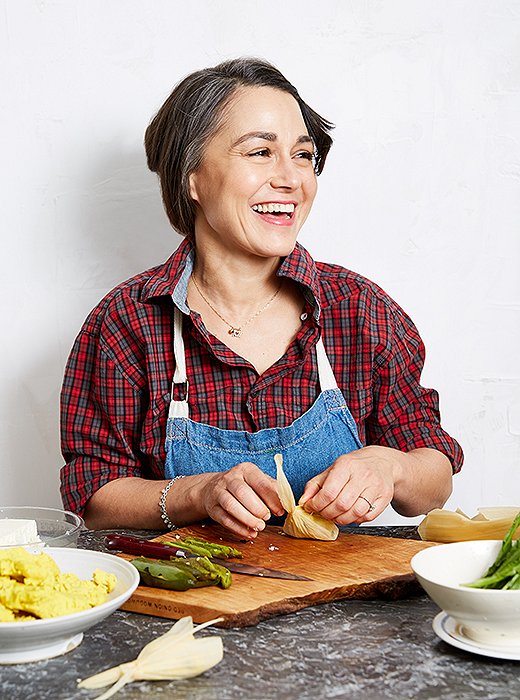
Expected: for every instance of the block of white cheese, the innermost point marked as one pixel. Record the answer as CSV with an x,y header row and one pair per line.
x,y
18,532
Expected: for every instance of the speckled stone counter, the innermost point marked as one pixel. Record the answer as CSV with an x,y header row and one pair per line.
x,y
349,649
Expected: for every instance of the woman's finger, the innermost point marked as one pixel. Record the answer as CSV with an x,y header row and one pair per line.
x,y
237,500
265,488
356,488
233,493
361,511
311,488
221,516
345,503
330,486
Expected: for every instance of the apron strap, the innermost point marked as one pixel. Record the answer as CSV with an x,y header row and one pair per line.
x,y
325,373
180,409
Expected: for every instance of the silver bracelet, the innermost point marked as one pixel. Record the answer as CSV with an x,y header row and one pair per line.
x,y
162,502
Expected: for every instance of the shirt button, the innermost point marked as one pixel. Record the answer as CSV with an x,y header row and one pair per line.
x,y
254,393
303,317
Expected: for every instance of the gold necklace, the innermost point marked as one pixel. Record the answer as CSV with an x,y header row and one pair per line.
x,y
236,331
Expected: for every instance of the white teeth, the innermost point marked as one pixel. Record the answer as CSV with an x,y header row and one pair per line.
x,y
273,207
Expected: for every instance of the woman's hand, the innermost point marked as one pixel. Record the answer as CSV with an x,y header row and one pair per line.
x,y
360,485
346,491
241,499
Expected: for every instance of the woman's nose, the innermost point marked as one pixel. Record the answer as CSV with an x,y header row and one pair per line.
x,y
286,174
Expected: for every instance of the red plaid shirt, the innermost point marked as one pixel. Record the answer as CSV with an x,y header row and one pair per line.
x,y
116,390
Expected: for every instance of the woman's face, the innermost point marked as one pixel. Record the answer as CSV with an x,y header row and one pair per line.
x,y
256,184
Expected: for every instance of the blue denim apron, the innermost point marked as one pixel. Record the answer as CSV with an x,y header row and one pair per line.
x,y
309,445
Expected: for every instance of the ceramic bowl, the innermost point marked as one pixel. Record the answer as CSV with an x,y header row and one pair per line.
x,y
22,642
485,616
56,528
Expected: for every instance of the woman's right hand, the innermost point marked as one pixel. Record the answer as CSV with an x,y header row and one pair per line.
x,y
241,499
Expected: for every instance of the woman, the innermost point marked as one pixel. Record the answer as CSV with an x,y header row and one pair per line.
x,y
269,351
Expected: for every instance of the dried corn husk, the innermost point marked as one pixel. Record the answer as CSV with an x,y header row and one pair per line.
x,y
172,656
497,512
447,526
299,523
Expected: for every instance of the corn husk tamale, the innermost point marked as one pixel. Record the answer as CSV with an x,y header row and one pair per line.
x,y
174,655
490,523
299,523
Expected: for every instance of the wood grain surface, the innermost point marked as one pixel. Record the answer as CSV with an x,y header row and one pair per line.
x,y
354,566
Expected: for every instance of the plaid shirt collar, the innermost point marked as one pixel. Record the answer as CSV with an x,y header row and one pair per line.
x,y
171,278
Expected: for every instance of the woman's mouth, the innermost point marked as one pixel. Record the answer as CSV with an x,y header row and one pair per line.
x,y
279,213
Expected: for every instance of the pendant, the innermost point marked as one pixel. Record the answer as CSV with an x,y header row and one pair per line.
x,y
235,332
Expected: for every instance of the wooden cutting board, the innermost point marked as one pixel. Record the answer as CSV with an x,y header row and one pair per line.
x,y
354,566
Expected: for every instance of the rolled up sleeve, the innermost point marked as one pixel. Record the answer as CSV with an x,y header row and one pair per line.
x,y
405,414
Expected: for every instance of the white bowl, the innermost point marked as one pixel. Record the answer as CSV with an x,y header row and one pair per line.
x,y
56,528
485,616
21,642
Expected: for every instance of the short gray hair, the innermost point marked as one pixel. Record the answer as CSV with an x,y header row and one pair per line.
x,y
192,114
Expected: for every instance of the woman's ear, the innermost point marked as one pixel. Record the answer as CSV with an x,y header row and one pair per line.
x,y
193,187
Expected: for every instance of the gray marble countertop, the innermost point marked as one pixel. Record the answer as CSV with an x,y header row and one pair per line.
x,y
349,649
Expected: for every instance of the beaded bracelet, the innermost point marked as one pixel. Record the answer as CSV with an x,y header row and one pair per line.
x,y
162,502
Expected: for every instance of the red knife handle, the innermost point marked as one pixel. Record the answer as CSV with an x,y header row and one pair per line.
x,y
145,548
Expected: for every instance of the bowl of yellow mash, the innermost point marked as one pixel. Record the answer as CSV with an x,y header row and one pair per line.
x,y
49,599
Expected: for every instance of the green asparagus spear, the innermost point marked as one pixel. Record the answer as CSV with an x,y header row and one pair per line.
x,y
501,576
507,544
206,549
504,573
513,583
179,574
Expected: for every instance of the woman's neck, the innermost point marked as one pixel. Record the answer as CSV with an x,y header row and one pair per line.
x,y
245,304
239,284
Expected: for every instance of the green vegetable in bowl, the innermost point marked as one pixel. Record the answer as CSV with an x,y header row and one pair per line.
x,y
206,549
179,574
504,573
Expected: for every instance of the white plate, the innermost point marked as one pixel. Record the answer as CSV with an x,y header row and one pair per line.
x,y
448,630
22,642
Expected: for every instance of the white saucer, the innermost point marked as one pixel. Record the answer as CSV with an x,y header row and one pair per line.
x,y
446,628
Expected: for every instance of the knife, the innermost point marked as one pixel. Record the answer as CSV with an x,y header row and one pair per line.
x,y
157,550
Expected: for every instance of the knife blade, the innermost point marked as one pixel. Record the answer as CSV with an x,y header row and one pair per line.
x,y
157,550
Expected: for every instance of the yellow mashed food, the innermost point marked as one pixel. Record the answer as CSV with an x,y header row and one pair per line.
x,y
32,586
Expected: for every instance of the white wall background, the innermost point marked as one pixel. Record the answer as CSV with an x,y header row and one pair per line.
x,y
421,192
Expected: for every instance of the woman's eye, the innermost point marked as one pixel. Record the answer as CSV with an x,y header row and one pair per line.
x,y
306,155
260,152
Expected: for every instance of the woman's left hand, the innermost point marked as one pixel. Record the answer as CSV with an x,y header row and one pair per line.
x,y
356,488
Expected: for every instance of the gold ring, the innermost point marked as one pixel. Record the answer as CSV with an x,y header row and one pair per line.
x,y
371,506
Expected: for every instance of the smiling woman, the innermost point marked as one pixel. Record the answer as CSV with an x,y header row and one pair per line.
x,y
245,175
199,105
264,349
